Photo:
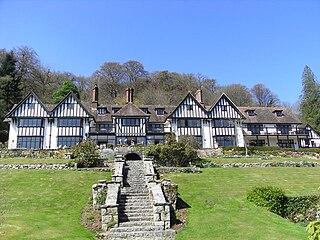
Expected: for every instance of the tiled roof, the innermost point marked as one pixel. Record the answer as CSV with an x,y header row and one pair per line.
x,y
130,110
268,115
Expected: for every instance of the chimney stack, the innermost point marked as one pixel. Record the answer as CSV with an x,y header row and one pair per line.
x,y
95,97
199,96
129,95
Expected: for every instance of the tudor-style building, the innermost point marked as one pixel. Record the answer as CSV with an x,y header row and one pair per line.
x,y
35,125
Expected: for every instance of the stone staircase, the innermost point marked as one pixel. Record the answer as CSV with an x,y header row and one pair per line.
x,y
136,220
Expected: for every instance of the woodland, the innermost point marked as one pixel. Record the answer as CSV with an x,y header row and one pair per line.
x,y
21,71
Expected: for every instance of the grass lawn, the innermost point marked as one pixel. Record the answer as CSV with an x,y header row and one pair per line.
x,y
43,204
22,160
258,159
219,209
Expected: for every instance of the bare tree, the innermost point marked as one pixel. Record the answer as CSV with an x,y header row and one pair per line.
x,y
239,94
263,96
133,70
109,79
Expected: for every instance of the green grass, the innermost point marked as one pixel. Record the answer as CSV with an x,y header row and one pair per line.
x,y
258,159
22,160
219,209
42,204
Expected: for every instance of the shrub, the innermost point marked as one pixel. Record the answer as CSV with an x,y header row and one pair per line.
x,y
173,153
273,198
302,208
313,229
86,154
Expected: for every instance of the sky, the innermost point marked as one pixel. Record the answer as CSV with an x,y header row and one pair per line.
x,y
233,41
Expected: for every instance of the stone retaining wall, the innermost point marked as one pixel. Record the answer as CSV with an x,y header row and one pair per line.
x,y
263,164
51,167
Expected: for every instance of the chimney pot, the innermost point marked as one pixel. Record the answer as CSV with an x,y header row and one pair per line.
x,y
129,95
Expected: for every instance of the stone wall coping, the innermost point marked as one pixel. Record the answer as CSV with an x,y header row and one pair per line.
x,y
157,194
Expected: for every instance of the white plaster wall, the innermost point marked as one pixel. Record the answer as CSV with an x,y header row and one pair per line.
x,y
206,134
13,136
54,134
239,135
86,129
46,132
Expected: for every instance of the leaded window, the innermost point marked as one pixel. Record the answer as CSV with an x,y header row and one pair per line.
x,y
255,128
30,142
30,122
223,123
156,128
226,141
69,122
284,129
130,122
105,127
189,123
69,141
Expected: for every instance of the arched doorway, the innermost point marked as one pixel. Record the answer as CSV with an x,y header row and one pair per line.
x,y
132,156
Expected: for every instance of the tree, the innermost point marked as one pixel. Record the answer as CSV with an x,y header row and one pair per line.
x,y
310,99
133,70
10,82
61,92
239,94
109,79
263,96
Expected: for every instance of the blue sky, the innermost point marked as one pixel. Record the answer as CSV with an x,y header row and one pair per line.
x,y
244,41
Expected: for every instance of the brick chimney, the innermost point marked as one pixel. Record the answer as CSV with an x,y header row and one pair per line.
x,y
129,95
95,97
199,96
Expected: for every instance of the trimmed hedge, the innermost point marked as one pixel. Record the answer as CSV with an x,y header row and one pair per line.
x,y
271,197
296,209
257,148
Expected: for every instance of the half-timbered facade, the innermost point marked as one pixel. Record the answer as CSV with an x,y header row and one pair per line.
x,y
35,125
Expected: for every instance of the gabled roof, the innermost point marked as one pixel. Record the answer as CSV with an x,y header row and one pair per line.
x,y
267,115
23,101
130,110
223,95
77,100
189,95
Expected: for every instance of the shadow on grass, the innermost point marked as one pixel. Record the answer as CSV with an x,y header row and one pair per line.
x,y
179,216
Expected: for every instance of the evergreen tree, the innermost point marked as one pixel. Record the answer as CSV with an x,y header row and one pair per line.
x,y
310,99
10,82
65,88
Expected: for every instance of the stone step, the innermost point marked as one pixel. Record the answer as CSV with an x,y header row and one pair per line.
x,y
130,211
128,196
139,215
140,223
133,207
135,218
125,200
137,228
159,234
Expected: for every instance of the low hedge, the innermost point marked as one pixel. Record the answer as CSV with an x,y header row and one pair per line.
x,y
271,197
257,149
296,209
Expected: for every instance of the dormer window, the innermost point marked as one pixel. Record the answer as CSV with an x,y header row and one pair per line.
x,y
160,111
115,109
251,112
189,107
102,111
145,110
278,113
